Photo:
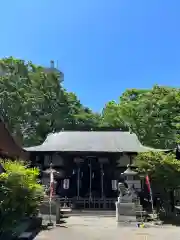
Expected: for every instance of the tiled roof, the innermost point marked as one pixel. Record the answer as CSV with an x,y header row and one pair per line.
x,y
92,141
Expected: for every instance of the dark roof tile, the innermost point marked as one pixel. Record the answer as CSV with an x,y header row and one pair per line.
x,y
92,141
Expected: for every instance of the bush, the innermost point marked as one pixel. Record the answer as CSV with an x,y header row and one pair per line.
x,y
20,194
163,168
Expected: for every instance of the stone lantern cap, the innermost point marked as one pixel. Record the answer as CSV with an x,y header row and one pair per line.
x,y
129,172
57,174
48,171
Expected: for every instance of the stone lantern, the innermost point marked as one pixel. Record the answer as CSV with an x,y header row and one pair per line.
x,y
129,177
46,176
57,174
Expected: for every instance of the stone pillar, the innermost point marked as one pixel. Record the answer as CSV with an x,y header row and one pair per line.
x,y
58,214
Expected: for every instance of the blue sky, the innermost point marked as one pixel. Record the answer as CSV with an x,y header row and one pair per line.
x,y
102,46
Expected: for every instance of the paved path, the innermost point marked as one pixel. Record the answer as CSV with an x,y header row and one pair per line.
x,y
97,228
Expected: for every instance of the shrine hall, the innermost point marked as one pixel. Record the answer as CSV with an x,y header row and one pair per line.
x,y
88,164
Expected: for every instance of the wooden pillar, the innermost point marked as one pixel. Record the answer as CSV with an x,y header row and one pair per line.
x,y
90,179
78,182
78,162
102,180
102,161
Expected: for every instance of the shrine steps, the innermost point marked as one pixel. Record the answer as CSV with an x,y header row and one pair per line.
x,y
89,213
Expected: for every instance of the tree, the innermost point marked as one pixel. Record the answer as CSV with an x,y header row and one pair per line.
x,y
20,194
34,103
163,168
80,117
112,117
153,115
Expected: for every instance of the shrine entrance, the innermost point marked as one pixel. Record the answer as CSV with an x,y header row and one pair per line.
x,y
91,178
90,184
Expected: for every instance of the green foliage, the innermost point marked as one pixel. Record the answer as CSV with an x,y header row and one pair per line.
x,y
34,103
112,117
153,115
20,193
80,117
163,168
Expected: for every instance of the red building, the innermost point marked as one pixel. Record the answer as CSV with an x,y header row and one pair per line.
x,y
9,148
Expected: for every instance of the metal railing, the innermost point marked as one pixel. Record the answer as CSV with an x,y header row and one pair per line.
x,y
87,203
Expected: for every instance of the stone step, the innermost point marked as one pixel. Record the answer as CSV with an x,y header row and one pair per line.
x,y
25,235
92,213
139,208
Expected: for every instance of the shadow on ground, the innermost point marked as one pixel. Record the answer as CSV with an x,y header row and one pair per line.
x,y
43,228
171,222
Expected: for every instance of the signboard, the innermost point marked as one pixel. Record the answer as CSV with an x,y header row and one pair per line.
x,y
102,160
124,160
47,160
57,160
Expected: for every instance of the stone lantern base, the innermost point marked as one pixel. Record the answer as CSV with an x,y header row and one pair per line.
x,y
125,212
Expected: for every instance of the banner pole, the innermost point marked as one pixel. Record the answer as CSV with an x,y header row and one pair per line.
x,y
50,195
150,192
152,204
50,212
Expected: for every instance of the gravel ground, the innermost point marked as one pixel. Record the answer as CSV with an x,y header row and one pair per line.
x,y
97,228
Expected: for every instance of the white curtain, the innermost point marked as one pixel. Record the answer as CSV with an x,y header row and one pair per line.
x,y
114,185
66,183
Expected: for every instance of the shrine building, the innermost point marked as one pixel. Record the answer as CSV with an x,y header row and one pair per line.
x,y
88,164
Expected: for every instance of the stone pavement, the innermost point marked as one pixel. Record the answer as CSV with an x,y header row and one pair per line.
x,y
97,228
